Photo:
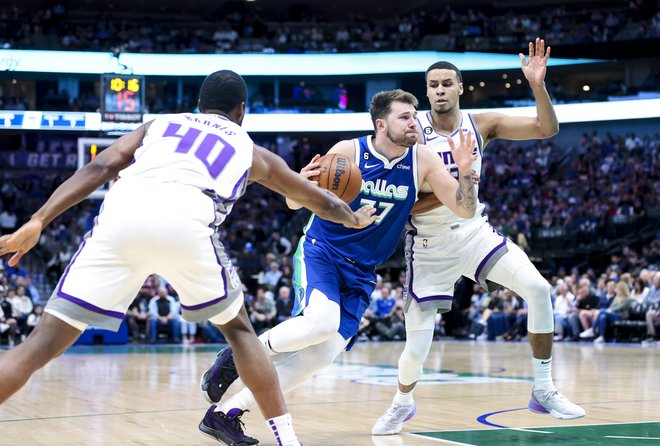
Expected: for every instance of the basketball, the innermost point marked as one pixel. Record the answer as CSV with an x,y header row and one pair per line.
x,y
340,175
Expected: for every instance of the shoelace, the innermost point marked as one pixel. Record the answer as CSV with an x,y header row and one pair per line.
x,y
237,423
395,411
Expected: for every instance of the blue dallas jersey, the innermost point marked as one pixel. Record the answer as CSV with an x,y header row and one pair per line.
x,y
391,187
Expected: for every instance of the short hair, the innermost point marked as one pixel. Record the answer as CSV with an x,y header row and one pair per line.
x,y
381,103
223,91
444,65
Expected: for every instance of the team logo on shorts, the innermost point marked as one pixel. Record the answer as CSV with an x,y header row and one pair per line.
x,y
425,243
428,130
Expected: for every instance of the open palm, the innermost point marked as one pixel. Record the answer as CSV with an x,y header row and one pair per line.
x,y
534,68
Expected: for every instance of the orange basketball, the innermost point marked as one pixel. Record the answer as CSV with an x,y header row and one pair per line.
x,y
340,175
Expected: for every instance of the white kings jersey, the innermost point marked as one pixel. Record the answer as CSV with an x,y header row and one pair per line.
x,y
205,151
438,142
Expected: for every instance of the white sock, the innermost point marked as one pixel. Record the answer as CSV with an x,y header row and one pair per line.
x,y
243,400
542,373
264,339
403,399
282,427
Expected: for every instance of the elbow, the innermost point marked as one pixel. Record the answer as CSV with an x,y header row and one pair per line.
x,y
550,132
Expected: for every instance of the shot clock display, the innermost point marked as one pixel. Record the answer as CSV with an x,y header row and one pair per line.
x,y
122,98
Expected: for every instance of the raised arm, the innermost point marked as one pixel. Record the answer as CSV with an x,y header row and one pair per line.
x,y
545,123
99,171
271,171
459,196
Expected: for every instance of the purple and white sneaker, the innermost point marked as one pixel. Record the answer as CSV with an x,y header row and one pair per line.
x,y
391,422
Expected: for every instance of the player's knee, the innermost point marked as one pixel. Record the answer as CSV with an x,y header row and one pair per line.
x,y
538,292
418,344
414,355
324,316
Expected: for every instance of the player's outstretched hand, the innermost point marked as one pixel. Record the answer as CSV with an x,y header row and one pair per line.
x,y
21,241
464,154
364,216
310,171
534,68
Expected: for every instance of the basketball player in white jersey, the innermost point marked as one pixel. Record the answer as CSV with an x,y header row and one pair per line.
x,y
441,247
179,176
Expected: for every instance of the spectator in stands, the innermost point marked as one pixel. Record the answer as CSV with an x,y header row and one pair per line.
x,y
652,301
8,221
587,310
640,290
272,276
564,304
138,315
391,326
34,318
618,310
164,313
279,245
263,311
7,322
283,304
188,330
22,308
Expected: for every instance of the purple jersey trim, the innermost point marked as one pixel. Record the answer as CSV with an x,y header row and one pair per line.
x,y
81,302
483,262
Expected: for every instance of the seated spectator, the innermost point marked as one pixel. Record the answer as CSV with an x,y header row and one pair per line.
x,y
279,245
586,306
188,330
272,276
164,313
283,304
138,315
263,311
22,308
640,290
211,333
652,301
34,318
391,326
619,310
563,307
7,322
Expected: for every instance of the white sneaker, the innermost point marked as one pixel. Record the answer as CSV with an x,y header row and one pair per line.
x,y
599,340
392,420
552,402
588,333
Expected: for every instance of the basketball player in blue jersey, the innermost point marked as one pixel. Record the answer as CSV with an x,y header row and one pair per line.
x,y
179,176
334,269
441,247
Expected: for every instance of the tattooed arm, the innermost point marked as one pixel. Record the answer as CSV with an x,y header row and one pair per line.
x,y
459,196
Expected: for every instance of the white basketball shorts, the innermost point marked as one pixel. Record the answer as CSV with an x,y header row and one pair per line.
x,y
144,228
437,257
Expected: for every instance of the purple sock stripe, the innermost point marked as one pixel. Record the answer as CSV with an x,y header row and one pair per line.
x,y
277,435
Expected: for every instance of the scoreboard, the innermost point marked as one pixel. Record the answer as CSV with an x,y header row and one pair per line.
x,y
122,98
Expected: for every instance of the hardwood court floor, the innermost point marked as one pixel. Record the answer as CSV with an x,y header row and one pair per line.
x,y
149,396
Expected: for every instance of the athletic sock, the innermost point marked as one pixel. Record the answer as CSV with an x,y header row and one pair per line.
x,y
243,400
542,373
282,427
403,399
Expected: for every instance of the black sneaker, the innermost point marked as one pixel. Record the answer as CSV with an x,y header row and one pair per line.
x,y
216,380
226,428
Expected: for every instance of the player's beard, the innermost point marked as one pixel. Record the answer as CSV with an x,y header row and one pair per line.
x,y
402,140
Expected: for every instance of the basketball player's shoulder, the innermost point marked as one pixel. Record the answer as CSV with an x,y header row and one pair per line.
x,y
345,147
486,119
